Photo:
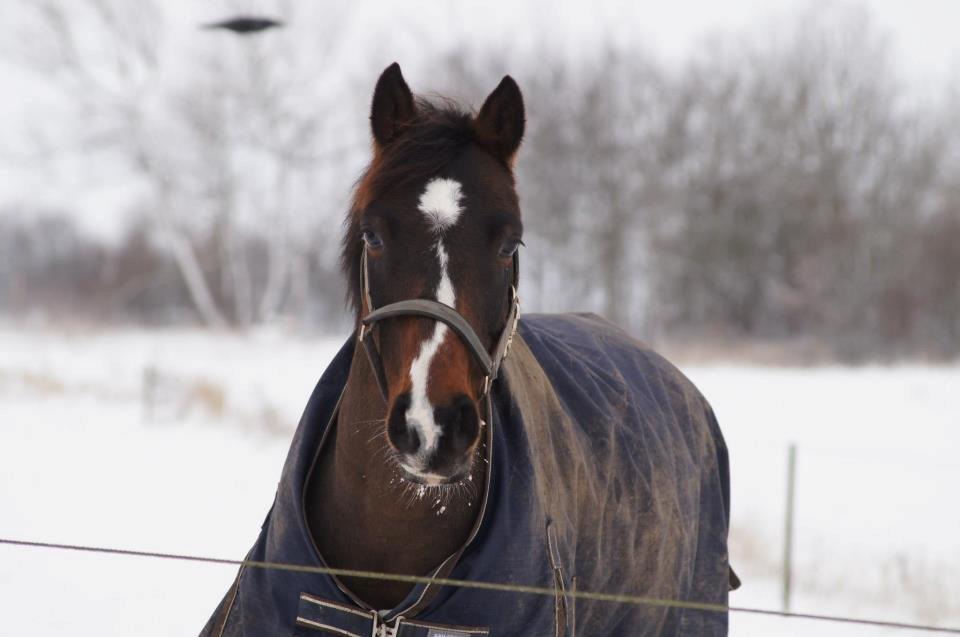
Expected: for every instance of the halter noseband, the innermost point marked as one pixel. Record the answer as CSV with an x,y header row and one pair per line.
x,y
489,362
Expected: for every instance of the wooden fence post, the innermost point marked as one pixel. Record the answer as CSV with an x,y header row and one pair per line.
x,y
148,394
788,526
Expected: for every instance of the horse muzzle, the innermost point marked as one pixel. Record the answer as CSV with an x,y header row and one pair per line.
x,y
436,447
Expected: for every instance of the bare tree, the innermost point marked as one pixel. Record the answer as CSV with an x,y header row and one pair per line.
x,y
768,189
230,150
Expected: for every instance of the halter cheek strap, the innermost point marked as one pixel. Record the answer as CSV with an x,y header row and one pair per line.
x,y
489,362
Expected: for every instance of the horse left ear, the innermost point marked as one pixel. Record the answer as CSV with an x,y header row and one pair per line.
x,y
499,126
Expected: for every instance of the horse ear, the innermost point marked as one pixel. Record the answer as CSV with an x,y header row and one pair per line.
x,y
499,126
392,107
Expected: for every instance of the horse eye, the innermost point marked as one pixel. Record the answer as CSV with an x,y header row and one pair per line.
x,y
372,240
509,248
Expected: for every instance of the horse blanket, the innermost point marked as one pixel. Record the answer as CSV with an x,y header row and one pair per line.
x,y
608,474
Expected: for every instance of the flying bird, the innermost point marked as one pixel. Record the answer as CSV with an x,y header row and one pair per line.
x,y
245,25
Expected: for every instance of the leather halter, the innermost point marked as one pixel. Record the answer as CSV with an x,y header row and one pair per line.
x,y
489,362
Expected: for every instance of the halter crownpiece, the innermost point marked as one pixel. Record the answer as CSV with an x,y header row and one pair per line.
x,y
426,308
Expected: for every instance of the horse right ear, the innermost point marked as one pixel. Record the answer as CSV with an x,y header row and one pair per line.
x,y
500,123
393,106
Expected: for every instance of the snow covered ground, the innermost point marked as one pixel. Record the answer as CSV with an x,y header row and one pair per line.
x,y
878,521
173,441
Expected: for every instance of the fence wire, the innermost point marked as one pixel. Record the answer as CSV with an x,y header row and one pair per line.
x,y
493,586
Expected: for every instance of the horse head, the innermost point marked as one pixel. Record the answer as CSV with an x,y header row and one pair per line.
x,y
435,219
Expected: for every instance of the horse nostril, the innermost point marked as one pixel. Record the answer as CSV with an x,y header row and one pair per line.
x,y
469,424
460,422
403,436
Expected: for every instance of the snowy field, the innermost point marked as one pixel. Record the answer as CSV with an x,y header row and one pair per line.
x,y
172,441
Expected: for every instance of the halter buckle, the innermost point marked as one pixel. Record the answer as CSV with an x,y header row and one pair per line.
x,y
486,386
515,300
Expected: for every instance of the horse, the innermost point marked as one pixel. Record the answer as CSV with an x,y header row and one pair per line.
x,y
449,438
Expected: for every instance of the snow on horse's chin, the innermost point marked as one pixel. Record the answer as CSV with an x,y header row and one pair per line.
x,y
458,471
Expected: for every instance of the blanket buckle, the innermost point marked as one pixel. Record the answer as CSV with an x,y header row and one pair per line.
x,y
385,629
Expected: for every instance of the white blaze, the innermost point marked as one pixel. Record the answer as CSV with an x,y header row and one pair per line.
x,y
440,204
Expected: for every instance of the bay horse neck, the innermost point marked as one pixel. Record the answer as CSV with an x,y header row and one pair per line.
x,y
401,527
364,516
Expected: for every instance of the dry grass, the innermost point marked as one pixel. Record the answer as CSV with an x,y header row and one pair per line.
x,y
203,396
32,382
164,398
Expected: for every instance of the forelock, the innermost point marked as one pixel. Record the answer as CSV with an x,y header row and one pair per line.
x,y
438,133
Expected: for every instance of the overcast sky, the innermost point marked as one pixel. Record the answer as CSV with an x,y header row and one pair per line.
x,y
924,32
923,40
